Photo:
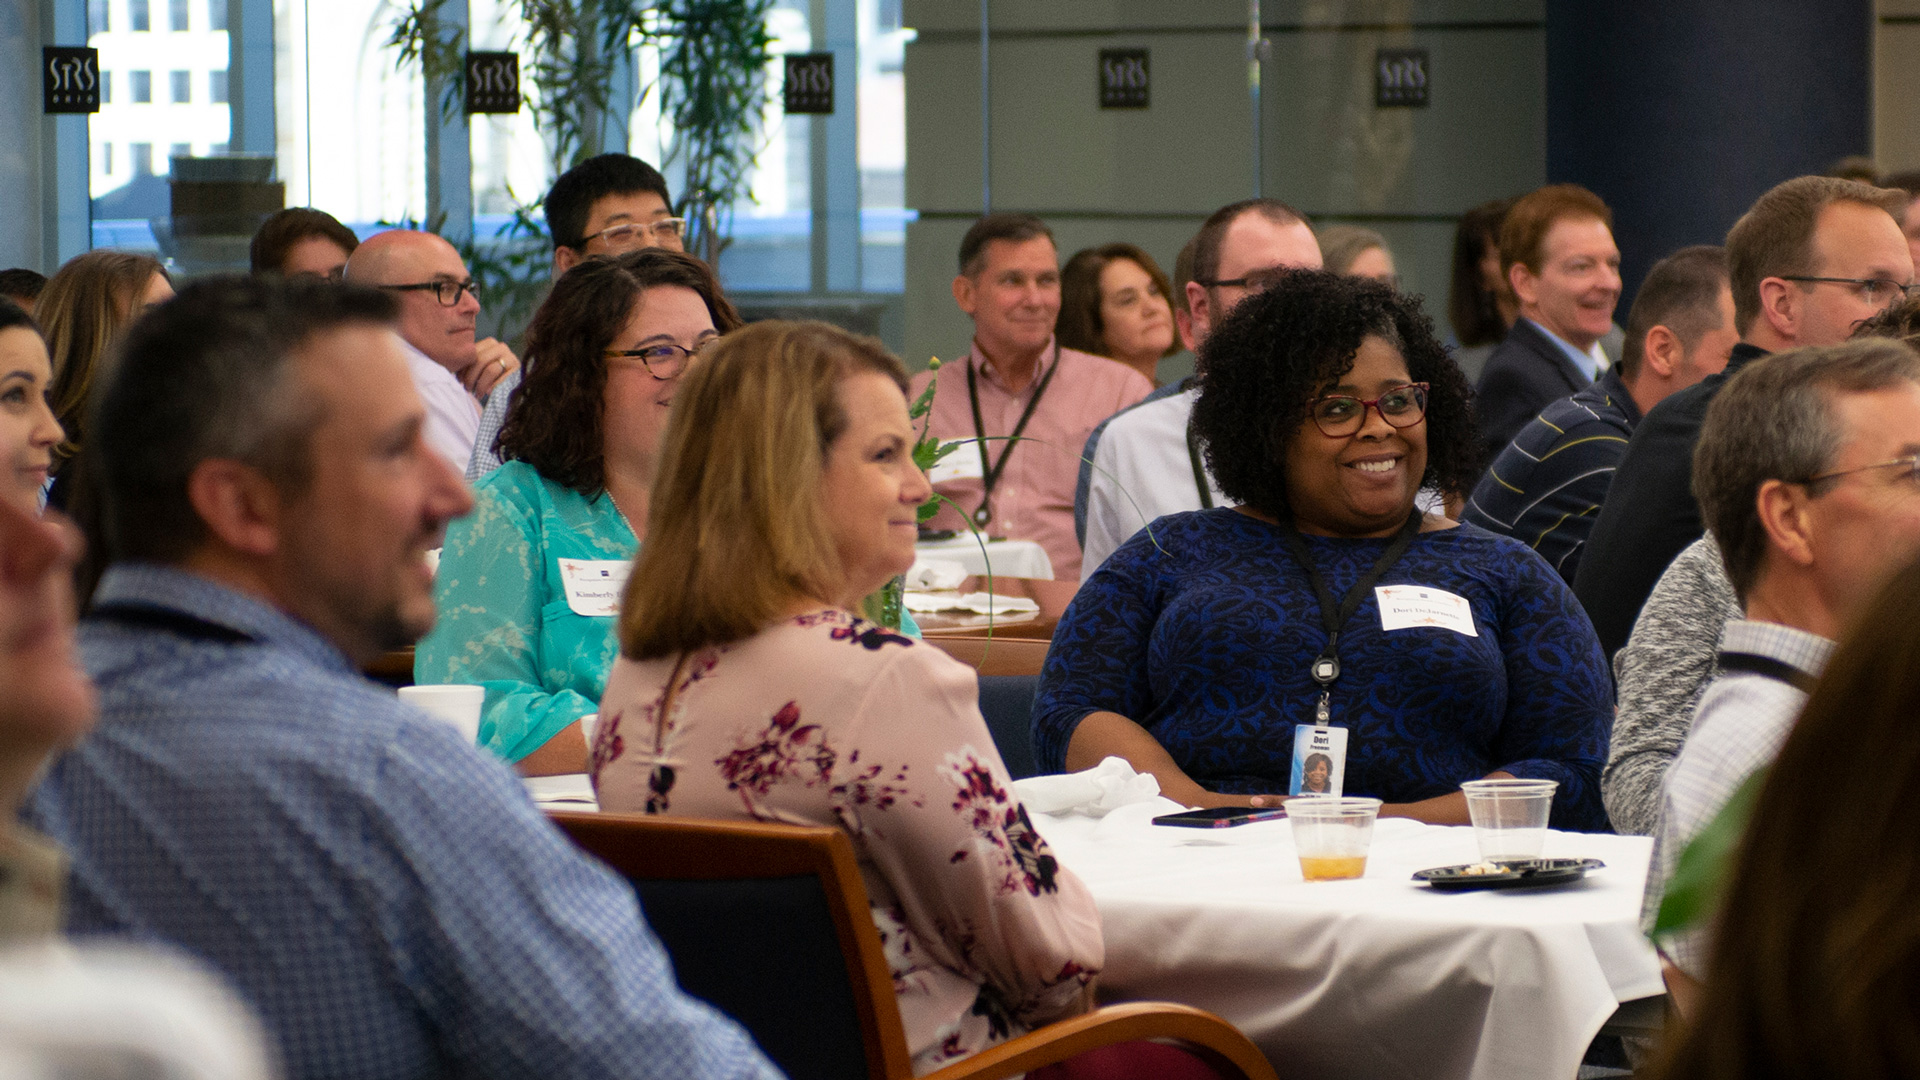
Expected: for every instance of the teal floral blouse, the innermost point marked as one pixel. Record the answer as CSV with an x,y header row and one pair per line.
x,y
506,620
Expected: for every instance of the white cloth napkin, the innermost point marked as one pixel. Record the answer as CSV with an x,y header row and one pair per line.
x,y
979,603
935,575
1094,792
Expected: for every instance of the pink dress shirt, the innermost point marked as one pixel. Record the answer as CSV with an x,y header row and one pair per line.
x,y
825,719
1033,499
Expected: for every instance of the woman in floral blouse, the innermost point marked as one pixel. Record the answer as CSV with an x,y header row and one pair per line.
x,y
748,689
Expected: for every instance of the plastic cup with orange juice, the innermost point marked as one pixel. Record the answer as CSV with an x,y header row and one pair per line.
x,y
1332,834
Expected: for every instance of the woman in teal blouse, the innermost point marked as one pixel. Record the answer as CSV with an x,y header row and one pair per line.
x,y
529,582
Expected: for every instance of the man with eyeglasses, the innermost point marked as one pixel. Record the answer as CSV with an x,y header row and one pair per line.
x,y
452,372
1139,464
1809,261
606,205
1806,472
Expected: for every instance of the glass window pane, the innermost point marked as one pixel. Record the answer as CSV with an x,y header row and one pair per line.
x,y
97,16
137,14
177,15
143,86
216,14
182,87
773,226
217,87
127,178
883,147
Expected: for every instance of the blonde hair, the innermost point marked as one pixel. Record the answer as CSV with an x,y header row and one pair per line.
x,y
735,530
83,308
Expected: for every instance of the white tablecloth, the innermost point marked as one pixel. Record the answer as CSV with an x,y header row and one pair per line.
x,y
1378,977
1011,558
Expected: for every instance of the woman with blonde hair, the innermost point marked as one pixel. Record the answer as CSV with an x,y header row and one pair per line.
x,y
83,308
748,688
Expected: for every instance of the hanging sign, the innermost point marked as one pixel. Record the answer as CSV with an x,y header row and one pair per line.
x,y
1400,78
1123,78
809,83
70,79
493,82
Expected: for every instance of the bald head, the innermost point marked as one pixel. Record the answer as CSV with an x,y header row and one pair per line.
x,y
404,260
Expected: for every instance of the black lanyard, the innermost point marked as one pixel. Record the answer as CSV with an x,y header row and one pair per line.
x,y
1199,472
990,470
1767,667
1325,669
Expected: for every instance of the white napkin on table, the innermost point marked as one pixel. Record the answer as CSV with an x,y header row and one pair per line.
x,y
979,603
1093,792
935,575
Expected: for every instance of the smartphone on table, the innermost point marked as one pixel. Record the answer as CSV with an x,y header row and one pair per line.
x,y
1220,817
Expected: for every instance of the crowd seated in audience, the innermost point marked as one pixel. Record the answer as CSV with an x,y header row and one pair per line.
x,y
748,688
1025,401
1142,462
1557,250
1810,974
1480,303
301,240
1809,261
1547,486
82,310
28,429
439,304
528,582
1362,252
378,889
1326,406
608,204
1116,302
1806,474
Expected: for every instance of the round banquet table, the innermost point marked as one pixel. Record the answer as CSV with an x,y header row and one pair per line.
x,y
1011,558
1377,977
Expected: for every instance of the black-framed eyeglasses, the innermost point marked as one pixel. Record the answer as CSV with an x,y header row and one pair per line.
x,y
1872,290
1340,415
1253,280
1911,463
643,232
663,362
447,292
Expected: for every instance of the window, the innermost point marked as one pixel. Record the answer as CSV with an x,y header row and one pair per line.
x,y
177,15
142,86
106,87
142,158
106,157
178,150
97,17
216,14
182,86
217,87
137,15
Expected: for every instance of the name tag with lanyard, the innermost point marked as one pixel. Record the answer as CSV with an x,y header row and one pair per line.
x,y
1322,737
990,470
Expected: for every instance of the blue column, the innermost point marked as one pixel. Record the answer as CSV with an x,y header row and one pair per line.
x,y
450,141
1679,113
66,216
834,143
250,77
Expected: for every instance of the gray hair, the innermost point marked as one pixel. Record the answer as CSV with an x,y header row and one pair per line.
x,y
208,375
1342,245
1774,421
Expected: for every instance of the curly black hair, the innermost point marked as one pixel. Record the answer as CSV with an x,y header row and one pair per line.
x,y
1280,349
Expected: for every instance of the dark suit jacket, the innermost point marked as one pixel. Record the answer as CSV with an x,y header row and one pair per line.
x,y
1525,374
1650,513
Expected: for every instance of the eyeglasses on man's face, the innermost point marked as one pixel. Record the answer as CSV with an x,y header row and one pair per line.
x,y
1878,291
1911,464
639,234
447,292
663,362
1252,280
1340,415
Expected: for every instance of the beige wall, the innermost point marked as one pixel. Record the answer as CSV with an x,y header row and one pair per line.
x,y
1896,86
1150,176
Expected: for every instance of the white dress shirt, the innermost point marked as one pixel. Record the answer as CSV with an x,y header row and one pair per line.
x,y
453,416
1141,470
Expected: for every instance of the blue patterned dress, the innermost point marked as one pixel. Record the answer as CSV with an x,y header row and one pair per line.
x,y
1204,638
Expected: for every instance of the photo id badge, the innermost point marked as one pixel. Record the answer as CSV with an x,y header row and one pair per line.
x,y
1319,760
594,586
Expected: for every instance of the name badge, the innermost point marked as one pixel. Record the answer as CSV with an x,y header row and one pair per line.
x,y
1319,760
961,463
1405,606
594,586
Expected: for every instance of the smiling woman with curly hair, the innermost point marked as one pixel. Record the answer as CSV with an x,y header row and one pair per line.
x,y
1201,646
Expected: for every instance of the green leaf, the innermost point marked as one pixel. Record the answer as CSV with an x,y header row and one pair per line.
x,y
1700,875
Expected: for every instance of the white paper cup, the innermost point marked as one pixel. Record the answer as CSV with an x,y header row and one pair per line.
x,y
456,704
1332,833
1509,816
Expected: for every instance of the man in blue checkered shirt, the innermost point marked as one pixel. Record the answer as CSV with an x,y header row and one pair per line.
x,y
379,889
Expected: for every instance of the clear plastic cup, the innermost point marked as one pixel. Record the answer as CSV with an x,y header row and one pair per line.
x,y
1509,816
1332,834
458,705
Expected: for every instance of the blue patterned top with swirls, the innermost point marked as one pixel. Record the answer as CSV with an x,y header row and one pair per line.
x,y
1204,639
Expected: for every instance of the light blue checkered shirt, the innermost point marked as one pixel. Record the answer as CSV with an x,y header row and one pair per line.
x,y
1739,726
380,890
484,460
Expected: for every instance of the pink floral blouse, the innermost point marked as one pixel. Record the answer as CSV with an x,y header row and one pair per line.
x,y
826,719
